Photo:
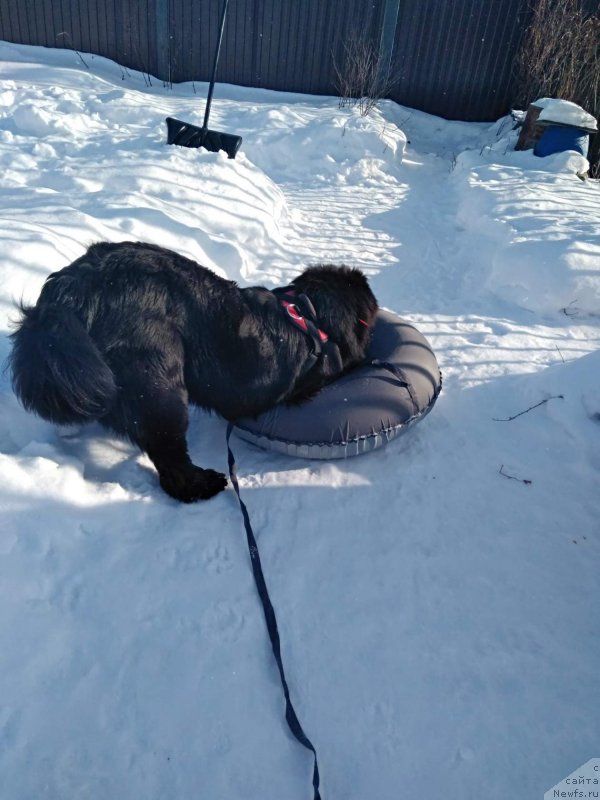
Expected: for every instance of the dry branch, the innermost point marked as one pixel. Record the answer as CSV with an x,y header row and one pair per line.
x,y
527,410
526,481
360,77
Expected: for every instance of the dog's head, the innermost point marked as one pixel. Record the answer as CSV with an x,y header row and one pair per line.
x,y
345,307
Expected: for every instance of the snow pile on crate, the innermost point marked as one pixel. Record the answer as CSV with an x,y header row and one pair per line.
x,y
564,112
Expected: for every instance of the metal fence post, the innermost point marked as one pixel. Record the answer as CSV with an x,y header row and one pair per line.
x,y
388,35
163,42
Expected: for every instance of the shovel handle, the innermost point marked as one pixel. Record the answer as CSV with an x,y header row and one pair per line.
x,y
211,88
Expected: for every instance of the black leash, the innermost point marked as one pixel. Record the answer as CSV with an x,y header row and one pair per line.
x,y
270,619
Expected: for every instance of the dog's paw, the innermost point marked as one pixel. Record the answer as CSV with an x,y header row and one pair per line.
x,y
193,483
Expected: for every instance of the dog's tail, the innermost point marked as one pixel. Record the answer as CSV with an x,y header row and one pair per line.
x,y
57,371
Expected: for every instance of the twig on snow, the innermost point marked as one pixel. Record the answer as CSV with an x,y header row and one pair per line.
x,y
527,410
67,38
568,311
526,481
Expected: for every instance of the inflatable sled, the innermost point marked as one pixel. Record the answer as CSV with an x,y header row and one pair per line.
x,y
368,407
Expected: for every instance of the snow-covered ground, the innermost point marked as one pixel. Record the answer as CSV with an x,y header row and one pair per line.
x,y
438,618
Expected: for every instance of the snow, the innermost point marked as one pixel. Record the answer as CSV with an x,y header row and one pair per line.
x,y
437,613
564,112
538,263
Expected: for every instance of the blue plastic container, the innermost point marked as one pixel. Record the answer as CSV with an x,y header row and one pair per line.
x,y
558,138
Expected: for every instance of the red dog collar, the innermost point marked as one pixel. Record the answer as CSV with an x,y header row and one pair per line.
x,y
299,320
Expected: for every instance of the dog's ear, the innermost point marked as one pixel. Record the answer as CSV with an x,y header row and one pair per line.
x,y
331,360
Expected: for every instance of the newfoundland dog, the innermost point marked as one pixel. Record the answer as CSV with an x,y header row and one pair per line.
x,y
130,333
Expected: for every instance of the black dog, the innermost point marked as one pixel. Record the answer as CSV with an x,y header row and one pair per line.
x,y
130,332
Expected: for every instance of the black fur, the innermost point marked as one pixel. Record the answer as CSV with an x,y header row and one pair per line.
x,y
130,333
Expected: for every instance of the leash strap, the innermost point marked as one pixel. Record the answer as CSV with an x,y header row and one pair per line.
x,y
270,619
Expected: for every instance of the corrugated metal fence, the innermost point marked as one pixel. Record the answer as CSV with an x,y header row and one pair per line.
x,y
451,57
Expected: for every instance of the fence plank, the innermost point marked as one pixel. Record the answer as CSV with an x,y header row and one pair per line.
x,y
454,57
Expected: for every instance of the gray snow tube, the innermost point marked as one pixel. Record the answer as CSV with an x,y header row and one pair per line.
x,y
368,407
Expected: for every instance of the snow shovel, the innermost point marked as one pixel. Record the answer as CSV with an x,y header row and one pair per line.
x,y
186,135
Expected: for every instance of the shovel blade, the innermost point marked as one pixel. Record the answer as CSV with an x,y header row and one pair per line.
x,y
186,135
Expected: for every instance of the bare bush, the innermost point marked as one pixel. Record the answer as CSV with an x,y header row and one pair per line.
x,y
361,76
560,57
